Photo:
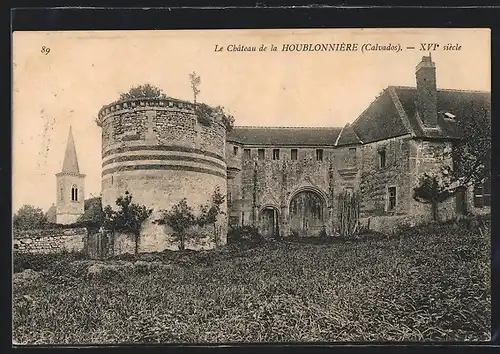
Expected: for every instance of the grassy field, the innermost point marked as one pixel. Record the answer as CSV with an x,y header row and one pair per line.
x,y
431,283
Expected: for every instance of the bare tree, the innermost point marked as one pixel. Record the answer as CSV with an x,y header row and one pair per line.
x,y
195,83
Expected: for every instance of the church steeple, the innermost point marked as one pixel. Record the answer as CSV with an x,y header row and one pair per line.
x,y
70,186
70,164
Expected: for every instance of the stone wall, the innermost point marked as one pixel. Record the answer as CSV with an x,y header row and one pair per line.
x,y
49,240
406,161
273,183
429,156
375,180
158,151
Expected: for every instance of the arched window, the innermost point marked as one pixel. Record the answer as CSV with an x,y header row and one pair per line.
x,y
74,193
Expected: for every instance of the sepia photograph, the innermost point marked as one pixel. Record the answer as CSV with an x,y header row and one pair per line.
x,y
251,186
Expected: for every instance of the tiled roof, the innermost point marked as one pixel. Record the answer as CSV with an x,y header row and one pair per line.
x,y
462,104
348,136
393,113
317,136
381,120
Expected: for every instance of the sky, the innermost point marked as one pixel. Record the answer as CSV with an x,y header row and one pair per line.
x,y
84,70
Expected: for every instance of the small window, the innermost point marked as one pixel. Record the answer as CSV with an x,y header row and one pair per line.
x,y
62,194
352,156
293,153
482,194
392,198
235,150
276,154
319,155
246,153
229,198
381,159
74,193
261,154
242,218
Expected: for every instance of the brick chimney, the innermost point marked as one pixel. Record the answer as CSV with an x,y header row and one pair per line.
x,y
427,92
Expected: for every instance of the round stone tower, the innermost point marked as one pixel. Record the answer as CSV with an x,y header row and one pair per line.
x,y
157,150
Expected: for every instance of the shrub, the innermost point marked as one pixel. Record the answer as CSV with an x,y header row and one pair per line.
x,y
180,218
247,235
128,218
39,262
143,91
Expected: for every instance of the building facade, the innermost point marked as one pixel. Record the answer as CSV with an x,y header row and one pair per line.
x,y
288,180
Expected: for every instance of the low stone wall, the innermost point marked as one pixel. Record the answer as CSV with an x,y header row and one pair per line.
x,y
390,223
49,240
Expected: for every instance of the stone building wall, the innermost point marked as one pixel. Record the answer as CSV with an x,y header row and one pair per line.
x,y
407,160
429,156
68,211
158,151
375,180
49,240
273,183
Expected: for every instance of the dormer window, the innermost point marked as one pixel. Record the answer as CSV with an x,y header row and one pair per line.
x,y
447,115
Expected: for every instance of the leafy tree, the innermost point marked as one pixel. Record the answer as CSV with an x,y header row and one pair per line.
x,y
29,217
209,213
143,91
206,114
472,155
180,218
93,213
434,189
471,160
128,218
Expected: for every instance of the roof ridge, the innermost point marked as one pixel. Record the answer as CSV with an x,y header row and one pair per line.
x,y
281,127
459,90
338,136
439,89
403,116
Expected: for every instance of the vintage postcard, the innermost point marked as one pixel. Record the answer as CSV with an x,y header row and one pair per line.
x,y
251,186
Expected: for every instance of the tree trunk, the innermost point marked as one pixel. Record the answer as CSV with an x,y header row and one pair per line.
x,y
434,210
136,243
182,242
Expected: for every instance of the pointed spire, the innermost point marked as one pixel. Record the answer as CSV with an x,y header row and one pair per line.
x,y
70,164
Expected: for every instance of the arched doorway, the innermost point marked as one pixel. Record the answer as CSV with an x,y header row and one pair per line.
x,y
269,222
307,209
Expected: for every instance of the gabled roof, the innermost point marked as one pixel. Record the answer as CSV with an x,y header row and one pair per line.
x,y
347,136
381,120
70,164
393,113
459,103
313,136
